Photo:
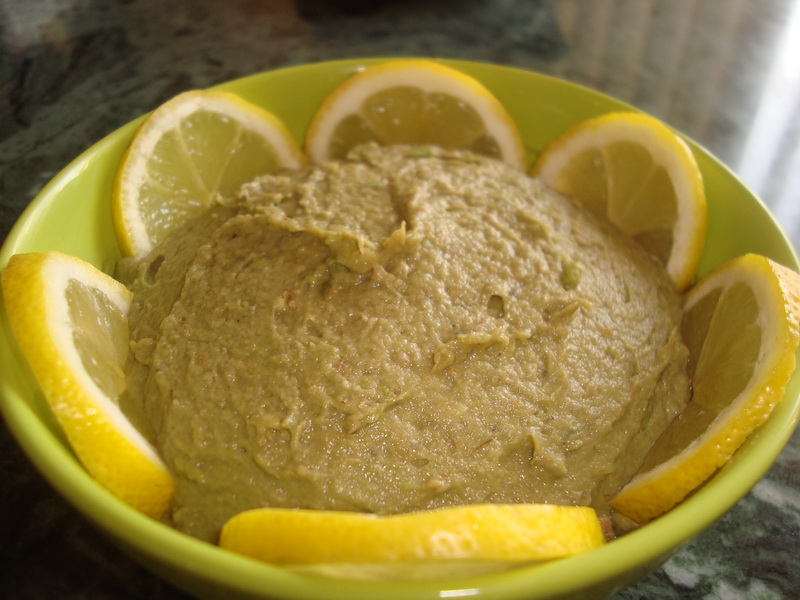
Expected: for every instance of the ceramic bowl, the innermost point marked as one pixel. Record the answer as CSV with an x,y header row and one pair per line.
x,y
73,214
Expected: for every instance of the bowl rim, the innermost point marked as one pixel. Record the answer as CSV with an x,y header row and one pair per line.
x,y
150,539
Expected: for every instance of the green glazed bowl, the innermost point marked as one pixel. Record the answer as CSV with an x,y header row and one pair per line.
x,y
73,214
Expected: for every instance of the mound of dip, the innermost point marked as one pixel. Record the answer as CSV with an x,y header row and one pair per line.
x,y
406,329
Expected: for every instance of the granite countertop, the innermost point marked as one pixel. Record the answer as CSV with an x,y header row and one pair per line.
x,y
722,71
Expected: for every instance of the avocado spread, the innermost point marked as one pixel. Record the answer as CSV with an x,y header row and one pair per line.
x,y
406,329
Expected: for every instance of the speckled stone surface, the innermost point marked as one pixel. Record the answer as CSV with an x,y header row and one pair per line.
x,y
723,71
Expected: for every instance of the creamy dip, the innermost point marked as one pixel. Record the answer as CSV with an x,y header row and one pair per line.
x,y
406,329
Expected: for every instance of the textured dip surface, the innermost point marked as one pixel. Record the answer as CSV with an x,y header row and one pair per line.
x,y
403,330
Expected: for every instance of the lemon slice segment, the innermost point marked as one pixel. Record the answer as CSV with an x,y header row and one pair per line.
x,y
413,102
635,171
198,146
70,322
479,532
741,329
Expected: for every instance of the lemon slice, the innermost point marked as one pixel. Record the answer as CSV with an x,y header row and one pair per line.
x,y
413,102
70,322
200,145
741,328
479,532
639,174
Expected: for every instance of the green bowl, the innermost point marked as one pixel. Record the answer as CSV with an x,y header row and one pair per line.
x,y
73,214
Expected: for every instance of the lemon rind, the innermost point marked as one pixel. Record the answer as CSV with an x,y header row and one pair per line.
x,y
426,75
131,230
57,271
469,532
667,149
90,420
656,491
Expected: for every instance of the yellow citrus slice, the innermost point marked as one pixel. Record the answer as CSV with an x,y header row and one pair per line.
x,y
741,328
198,146
480,532
413,102
634,170
70,323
